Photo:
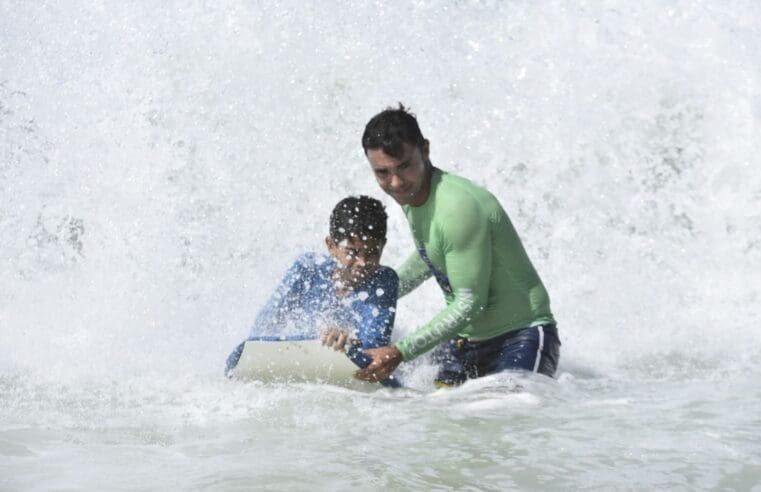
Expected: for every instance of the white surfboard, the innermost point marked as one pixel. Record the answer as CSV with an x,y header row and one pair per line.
x,y
293,361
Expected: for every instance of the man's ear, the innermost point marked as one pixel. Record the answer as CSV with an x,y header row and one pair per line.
x,y
425,149
329,243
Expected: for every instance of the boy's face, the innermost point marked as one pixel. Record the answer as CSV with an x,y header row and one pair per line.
x,y
357,258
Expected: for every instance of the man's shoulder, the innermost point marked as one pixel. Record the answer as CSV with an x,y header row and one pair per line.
x,y
461,187
458,197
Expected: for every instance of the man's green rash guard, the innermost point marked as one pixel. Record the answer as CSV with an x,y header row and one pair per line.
x,y
466,240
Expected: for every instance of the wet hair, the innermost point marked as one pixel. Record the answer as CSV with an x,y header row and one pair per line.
x,y
391,128
361,216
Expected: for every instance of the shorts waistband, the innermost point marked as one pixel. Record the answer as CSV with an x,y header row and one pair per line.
x,y
550,328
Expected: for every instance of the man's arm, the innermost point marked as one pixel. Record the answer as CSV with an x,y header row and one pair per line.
x,y
468,258
412,273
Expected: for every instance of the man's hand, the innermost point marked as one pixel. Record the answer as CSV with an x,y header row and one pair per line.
x,y
385,361
335,338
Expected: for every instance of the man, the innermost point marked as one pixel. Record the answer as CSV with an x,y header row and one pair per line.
x,y
346,296
498,312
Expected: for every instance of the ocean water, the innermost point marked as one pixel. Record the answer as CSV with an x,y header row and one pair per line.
x,y
161,166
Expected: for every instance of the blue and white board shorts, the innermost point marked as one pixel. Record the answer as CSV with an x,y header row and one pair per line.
x,y
534,349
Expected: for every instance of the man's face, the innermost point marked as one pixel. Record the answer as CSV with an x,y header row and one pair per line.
x,y
357,258
405,179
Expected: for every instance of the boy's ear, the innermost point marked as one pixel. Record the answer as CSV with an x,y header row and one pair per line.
x,y
329,243
381,245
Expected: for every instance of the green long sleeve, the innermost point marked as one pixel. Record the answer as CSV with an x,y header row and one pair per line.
x,y
467,242
412,273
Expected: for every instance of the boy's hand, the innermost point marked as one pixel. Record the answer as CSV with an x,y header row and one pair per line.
x,y
335,338
385,361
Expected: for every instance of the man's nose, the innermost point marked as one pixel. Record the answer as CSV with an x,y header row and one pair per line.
x,y
396,181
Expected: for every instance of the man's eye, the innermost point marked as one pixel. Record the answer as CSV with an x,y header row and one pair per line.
x,y
381,172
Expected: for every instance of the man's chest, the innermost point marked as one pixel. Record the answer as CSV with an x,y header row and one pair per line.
x,y
430,245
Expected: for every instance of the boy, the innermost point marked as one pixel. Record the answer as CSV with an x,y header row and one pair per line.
x,y
345,296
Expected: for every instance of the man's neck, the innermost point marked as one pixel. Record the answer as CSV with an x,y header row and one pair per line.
x,y
425,191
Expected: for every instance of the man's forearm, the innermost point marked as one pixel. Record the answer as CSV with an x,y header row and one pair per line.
x,y
443,326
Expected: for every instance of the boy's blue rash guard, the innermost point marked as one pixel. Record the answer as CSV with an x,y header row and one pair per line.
x,y
306,301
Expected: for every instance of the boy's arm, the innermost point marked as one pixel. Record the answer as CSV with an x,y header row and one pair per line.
x,y
288,290
378,317
377,322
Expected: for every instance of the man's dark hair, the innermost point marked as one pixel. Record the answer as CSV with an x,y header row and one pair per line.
x,y
391,128
361,216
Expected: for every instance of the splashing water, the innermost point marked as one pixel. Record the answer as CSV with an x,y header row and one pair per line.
x,y
162,166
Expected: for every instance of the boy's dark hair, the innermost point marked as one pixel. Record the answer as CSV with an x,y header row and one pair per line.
x,y
389,129
361,216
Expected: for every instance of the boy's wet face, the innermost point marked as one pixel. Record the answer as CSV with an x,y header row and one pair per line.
x,y
357,258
